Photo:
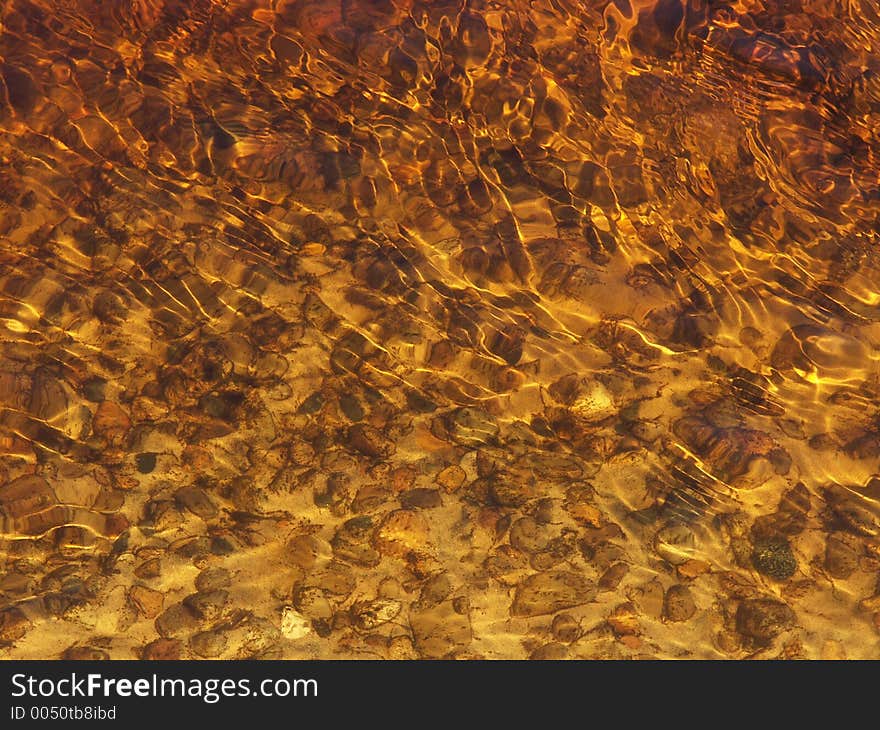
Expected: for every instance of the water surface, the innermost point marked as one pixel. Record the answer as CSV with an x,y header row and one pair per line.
x,y
439,329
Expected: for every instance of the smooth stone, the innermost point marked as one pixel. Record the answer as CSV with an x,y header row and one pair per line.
x,y
551,591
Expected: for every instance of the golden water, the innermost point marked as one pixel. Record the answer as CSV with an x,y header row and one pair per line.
x,y
403,329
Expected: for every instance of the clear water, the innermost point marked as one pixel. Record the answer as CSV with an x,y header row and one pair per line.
x,y
444,329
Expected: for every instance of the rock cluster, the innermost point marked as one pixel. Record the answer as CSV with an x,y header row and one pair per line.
x,y
424,329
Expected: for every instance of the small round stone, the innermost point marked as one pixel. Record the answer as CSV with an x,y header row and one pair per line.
x,y
565,628
774,558
678,604
146,462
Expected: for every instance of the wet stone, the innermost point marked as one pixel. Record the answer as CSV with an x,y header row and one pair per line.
x,y
553,466
678,604
763,619
336,579
471,427
312,404
557,550
774,558
624,620
222,546
402,532
303,550
213,579
852,512
420,498
26,495
565,628
506,564
208,644
110,421
208,605
390,588
823,442
371,497
451,478
147,601
196,501
593,402
439,630
513,490
693,569
368,615
351,407
736,585
728,641
295,625
610,579
551,591
401,647
146,462
436,590
336,494
175,621
311,602
603,554
93,389
193,547
15,583
351,542
526,535
842,553
581,508
789,519
14,624
370,441
649,598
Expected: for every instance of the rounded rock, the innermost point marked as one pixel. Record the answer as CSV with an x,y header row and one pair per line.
x,y
763,619
678,604
565,628
774,558
402,532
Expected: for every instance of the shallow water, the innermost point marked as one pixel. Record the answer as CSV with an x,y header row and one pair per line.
x,y
446,329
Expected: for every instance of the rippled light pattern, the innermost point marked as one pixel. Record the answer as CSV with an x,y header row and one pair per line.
x,y
397,329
